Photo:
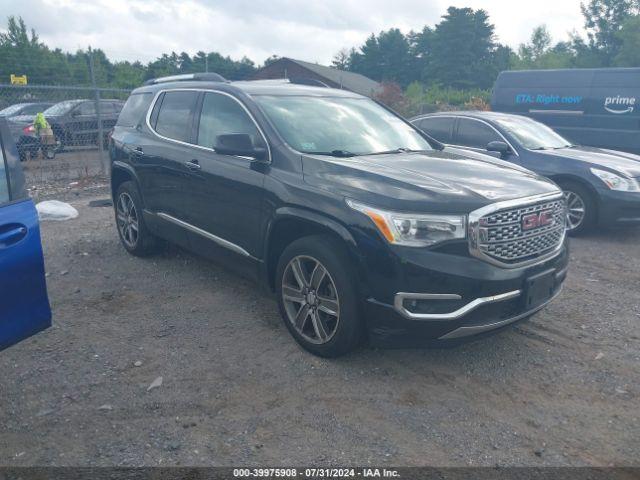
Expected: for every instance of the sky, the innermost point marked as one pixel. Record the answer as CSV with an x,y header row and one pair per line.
x,y
306,30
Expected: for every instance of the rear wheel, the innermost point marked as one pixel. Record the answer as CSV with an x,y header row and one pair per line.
x,y
317,296
581,208
132,230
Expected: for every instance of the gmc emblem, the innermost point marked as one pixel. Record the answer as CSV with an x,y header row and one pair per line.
x,y
536,220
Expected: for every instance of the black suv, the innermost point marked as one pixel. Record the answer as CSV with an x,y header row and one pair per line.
x,y
359,222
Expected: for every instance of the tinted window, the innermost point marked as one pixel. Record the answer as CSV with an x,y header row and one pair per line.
x,y
174,116
4,181
87,108
222,115
472,133
33,109
438,128
134,110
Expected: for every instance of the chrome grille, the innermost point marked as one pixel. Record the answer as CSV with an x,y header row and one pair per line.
x,y
502,235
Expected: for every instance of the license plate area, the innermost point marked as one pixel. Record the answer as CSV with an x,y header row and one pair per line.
x,y
539,289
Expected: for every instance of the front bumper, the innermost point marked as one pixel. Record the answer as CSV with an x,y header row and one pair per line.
x,y
619,209
438,299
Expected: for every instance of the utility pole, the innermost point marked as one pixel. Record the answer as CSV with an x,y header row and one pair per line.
x,y
92,73
206,62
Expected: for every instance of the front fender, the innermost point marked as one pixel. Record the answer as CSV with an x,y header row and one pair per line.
x,y
315,219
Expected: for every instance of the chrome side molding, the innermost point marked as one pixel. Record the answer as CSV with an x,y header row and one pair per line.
x,y
398,304
210,236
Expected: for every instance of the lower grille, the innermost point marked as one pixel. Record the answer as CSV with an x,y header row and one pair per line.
x,y
518,232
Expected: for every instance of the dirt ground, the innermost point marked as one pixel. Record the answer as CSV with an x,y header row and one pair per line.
x,y
560,389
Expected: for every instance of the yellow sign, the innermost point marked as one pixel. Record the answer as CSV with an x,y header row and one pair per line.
x,y
18,80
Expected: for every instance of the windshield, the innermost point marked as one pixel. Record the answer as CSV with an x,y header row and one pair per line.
x,y
60,108
339,126
12,109
531,134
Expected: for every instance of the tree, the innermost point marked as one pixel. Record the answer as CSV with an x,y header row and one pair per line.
x,y
603,22
538,46
462,50
341,59
385,57
629,36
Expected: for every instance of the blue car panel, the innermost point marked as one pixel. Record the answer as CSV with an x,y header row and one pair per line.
x,y
23,292
24,303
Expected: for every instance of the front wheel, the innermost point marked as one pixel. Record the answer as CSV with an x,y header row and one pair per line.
x,y
317,296
581,208
132,230
49,152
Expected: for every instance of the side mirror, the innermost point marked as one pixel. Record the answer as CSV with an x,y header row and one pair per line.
x,y
501,147
75,113
239,144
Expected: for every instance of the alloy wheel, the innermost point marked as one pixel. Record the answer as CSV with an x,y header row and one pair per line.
x,y
310,299
575,209
127,219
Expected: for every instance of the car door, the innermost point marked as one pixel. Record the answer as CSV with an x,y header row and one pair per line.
x,y
82,123
160,157
24,304
475,135
224,197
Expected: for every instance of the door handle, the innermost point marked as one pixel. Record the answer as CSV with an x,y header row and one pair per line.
x,y
12,236
193,165
138,151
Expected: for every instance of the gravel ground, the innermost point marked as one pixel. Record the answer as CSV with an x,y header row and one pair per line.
x,y
561,389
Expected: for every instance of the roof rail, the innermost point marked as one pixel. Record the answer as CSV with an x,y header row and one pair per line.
x,y
198,77
313,82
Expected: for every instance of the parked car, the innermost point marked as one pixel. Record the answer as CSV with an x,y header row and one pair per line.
x,y
75,122
589,106
24,304
360,223
601,186
30,109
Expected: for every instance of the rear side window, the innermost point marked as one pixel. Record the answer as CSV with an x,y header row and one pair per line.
x,y
222,115
33,109
438,128
473,133
175,114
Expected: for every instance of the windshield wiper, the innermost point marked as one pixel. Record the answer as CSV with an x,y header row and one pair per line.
x,y
335,153
397,150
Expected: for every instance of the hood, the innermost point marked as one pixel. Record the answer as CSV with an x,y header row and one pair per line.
x,y
446,181
626,163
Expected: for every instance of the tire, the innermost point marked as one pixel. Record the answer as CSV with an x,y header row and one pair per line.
x,y
578,197
320,332
128,214
49,152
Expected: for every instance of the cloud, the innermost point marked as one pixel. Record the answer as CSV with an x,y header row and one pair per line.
x,y
308,30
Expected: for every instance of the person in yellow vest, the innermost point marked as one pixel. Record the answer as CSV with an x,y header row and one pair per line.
x,y
45,134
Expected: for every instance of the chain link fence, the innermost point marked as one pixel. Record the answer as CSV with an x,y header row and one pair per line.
x,y
70,149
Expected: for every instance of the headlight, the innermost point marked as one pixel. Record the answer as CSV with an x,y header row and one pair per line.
x,y
414,229
617,182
